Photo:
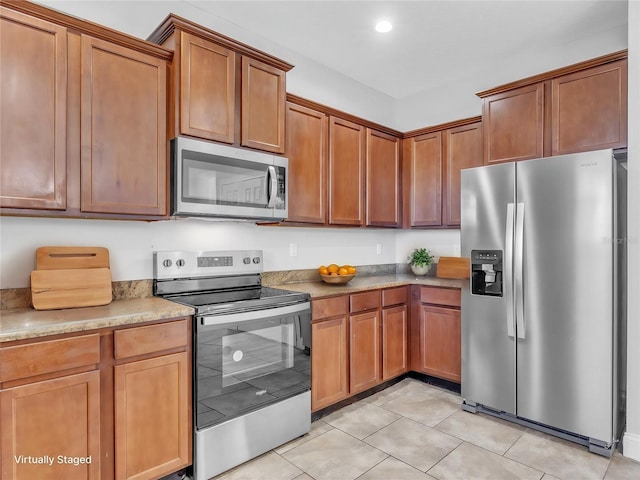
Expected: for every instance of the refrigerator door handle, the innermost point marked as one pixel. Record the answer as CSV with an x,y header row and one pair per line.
x,y
508,271
519,270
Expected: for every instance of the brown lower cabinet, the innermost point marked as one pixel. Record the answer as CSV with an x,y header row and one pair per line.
x,y
395,325
329,351
112,404
436,332
358,341
58,419
364,341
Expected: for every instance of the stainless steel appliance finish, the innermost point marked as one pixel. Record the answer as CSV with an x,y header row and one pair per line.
x,y
545,352
214,180
242,438
251,368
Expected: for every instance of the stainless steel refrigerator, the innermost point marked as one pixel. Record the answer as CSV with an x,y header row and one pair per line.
x,y
543,318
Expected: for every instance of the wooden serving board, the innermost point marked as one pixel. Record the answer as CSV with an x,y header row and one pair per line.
x,y
70,277
453,267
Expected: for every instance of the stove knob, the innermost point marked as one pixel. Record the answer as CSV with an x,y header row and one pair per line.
x,y
180,263
246,260
256,259
167,263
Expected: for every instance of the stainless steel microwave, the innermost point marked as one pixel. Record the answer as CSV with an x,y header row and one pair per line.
x,y
213,180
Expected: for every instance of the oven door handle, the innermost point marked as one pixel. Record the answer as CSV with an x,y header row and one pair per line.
x,y
208,320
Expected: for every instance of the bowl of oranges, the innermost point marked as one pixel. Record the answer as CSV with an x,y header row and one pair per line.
x,y
334,273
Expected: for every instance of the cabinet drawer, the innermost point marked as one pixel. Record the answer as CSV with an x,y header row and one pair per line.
x,y
394,296
149,339
365,301
23,361
440,296
329,307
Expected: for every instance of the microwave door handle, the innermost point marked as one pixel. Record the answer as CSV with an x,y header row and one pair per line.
x,y
272,183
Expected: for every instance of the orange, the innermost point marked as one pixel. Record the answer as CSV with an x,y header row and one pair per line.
x,y
333,268
343,271
351,270
323,270
334,274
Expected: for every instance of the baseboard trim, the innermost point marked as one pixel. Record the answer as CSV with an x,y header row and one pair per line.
x,y
631,446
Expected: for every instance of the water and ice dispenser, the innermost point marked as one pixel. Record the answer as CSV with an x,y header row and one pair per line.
x,y
486,272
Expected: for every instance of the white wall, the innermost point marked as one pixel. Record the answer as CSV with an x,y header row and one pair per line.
x,y
442,243
631,441
458,100
308,79
131,244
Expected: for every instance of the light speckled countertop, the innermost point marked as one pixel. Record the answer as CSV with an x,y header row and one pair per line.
x,y
23,323
363,283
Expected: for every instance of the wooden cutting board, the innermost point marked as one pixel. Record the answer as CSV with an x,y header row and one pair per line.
x,y
61,258
453,267
70,277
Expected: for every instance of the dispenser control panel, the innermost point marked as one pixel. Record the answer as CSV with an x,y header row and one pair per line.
x,y
486,272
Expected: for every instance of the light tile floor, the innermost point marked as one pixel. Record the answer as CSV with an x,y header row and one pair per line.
x,y
415,431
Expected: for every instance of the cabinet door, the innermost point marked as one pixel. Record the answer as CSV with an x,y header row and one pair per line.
x,y
33,95
263,105
440,342
54,420
424,170
394,341
307,154
462,149
346,172
123,124
513,124
589,109
152,417
207,89
329,367
383,179
364,351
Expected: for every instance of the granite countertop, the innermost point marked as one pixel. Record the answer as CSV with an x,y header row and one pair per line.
x,y
24,323
362,283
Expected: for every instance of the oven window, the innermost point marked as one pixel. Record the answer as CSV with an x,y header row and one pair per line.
x,y
243,366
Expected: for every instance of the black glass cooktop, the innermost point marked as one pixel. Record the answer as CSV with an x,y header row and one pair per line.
x,y
220,302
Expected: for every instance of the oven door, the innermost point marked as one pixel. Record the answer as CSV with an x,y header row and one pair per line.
x,y
247,360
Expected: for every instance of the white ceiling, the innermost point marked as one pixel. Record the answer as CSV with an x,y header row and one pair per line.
x,y
433,42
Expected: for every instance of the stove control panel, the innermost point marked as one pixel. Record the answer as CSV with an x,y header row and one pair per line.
x,y
189,264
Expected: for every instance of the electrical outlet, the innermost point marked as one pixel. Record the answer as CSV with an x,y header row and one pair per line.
x,y
379,248
293,249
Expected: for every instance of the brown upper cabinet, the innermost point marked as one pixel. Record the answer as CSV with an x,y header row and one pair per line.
x,y
221,89
462,149
343,170
307,135
589,109
83,123
346,172
34,112
383,179
514,124
574,109
432,161
123,131
422,171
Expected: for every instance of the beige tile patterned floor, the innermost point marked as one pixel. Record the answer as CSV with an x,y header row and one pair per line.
x,y
415,431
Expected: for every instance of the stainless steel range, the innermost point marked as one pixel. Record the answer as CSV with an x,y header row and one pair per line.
x,y
251,359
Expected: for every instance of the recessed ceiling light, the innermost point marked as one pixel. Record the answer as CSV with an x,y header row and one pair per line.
x,y
383,26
